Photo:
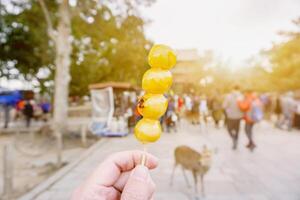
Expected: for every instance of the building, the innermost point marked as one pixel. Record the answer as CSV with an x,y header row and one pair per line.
x,y
189,67
191,73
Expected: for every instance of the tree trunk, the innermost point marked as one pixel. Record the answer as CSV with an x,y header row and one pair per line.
x,y
62,75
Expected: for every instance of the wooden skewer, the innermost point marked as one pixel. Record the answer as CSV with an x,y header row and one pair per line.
x,y
144,157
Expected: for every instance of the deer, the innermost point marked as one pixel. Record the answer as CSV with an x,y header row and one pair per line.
x,y
191,160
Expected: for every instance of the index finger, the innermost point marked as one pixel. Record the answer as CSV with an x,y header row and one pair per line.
x,y
110,170
127,160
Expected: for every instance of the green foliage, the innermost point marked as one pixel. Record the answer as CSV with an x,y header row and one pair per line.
x,y
286,64
106,46
24,44
110,49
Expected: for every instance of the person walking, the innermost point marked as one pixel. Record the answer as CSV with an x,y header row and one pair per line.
x,y
6,108
277,109
170,121
46,108
233,115
297,114
253,114
216,109
195,110
180,105
203,109
19,108
288,106
28,112
188,104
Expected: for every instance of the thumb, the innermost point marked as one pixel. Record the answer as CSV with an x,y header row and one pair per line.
x,y
139,185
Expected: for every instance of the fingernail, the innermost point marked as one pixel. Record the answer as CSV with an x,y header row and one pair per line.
x,y
140,172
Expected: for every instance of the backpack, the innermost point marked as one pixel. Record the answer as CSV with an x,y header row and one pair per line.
x,y
244,105
256,113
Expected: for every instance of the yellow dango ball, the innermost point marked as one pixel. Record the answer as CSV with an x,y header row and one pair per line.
x,y
147,130
152,106
161,56
157,81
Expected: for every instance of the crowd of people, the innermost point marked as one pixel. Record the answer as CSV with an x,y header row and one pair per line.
x,y
25,109
222,109
229,109
281,109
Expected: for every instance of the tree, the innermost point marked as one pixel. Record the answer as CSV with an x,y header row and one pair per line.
x,y
63,49
61,38
120,57
110,50
23,52
55,38
285,59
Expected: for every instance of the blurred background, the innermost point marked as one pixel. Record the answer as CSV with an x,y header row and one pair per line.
x,y
70,80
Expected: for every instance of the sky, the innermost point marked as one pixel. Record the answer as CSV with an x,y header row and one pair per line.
x,y
234,30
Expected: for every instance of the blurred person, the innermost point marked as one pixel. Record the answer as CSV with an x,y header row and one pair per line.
x,y
288,107
129,114
217,110
267,105
6,109
46,108
233,114
188,103
253,114
203,109
180,104
297,114
175,98
170,115
195,110
188,107
119,177
180,107
277,109
28,112
19,108
136,113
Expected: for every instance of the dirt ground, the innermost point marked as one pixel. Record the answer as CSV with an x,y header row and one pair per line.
x,y
34,157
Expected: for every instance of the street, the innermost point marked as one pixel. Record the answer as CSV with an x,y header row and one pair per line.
x,y
270,172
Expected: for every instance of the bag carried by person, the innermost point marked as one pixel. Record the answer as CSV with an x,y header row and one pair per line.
x,y
244,105
256,113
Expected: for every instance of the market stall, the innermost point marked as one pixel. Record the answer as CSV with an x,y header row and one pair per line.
x,y
111,102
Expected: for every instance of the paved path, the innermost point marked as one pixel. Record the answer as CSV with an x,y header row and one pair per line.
x,y
271,172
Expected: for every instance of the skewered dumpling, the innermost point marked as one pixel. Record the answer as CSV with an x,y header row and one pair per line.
x,y
152,106
162,57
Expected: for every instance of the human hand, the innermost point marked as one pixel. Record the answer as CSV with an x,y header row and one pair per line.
x,y
119,177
